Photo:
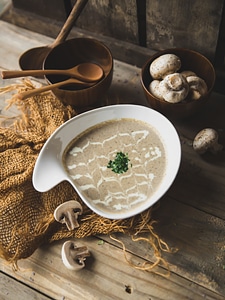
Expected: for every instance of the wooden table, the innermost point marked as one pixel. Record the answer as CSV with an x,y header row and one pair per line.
x,y
191,217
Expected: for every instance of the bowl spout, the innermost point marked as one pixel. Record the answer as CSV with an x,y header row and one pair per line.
x,y
48,171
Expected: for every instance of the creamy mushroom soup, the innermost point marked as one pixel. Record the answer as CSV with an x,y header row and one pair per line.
x,y
90,157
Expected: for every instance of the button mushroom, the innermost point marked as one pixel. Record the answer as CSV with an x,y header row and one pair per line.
x,y
207,140
67,213
154,89
74,255
164,65
187,73
197,87
174,88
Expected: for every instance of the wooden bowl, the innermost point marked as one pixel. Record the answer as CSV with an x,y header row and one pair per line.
x,y
68,55
190,60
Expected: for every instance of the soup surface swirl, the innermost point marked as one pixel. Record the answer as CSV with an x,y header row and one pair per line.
x,y
87,156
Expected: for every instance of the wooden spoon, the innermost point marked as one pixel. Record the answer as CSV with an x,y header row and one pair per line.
x,y
33,59
87,72
30,93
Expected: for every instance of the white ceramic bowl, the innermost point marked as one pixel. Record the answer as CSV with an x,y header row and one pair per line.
x,y
49,170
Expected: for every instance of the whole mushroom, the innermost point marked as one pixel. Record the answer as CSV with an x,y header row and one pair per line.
x,y
174,88
207,140
164,65
187,73
197,87
154,89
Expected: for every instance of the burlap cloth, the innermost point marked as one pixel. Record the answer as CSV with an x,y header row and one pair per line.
x,y
26,216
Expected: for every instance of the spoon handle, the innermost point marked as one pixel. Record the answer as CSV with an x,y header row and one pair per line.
x,y
18,73
30,93
74,14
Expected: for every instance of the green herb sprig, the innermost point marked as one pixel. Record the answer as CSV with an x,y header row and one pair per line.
x,y
120,164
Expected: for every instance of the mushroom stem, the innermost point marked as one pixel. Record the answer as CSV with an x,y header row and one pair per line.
x,y
70,220
68,213
74,255
197,87
174,88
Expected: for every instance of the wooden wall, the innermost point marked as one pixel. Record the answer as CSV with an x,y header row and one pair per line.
x,y
184,23
169,23
155,24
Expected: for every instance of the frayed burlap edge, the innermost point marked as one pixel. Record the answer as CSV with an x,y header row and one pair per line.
x,y
90,223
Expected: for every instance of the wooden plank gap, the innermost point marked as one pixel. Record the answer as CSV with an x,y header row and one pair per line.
x,y
68,7
141,16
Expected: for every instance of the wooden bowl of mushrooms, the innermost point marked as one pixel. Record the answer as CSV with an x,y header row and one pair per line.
x,y
177,82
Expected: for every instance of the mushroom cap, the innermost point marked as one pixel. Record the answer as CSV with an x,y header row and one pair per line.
x,y
197,87
73,255
154,89
187,73
174,88
206,139
67,213
164,65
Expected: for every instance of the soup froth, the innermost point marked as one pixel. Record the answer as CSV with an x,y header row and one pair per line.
x,y
86,159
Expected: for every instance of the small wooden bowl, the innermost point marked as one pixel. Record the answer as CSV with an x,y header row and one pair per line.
x,y
190,60
68,55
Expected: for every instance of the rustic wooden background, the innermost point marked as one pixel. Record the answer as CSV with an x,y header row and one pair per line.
x,y
156,24
149,24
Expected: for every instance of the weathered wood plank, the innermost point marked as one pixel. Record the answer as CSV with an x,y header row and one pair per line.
x,y
106,276
199,238
16,41
54,9
121,50
12,289
205,193
109,17
102,17
185,24
200,181
4,5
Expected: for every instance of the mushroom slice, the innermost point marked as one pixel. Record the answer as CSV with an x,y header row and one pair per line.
x,y
154,89
164,65
67,213
207,140
174,88
197,87
74,255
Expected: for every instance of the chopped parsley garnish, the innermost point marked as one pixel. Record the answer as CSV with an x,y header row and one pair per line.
x,y
120,164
